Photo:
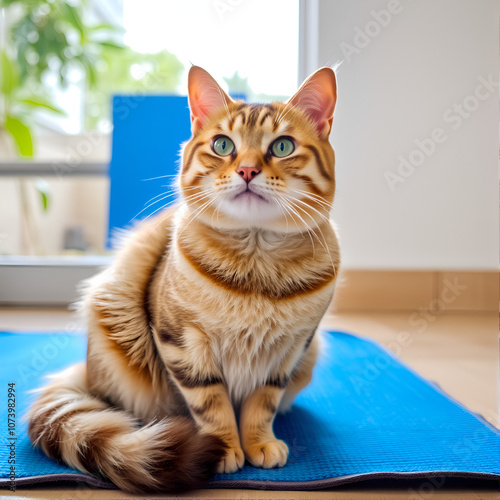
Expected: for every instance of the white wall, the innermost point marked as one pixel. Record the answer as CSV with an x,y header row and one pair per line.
x,y
397,85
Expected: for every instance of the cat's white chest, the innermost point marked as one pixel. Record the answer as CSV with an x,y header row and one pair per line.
x,y
252,346
244,371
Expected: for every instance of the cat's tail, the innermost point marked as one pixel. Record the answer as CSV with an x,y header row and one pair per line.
x,y
72,425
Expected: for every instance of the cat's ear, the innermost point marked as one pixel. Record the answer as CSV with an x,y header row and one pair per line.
x,y
317,97
204,96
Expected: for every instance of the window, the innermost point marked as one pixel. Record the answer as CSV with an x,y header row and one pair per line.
x,y
56,206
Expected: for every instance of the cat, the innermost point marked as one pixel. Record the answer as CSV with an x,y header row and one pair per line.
x,y
204,326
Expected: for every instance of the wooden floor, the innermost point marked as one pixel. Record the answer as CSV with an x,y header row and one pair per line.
x,y
459,351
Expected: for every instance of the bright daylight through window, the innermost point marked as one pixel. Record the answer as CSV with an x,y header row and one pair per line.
x,y
63,61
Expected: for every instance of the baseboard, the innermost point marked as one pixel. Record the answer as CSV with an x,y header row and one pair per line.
x,y
52,281
414,290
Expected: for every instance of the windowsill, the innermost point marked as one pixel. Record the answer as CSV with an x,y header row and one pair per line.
x,y
46,281
88,148
55,260
57,168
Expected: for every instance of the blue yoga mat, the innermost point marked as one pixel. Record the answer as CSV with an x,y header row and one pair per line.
x,y
364,416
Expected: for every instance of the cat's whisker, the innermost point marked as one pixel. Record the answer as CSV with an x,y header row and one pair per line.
x,y
327,219
313,196
198,212
198,196
308,228
150,215
283,212
161,220
165,217
157,196
189,188
322,206
286,212
174,190
150,205
159,177
216,212
325,246
193,197
169,195
156,211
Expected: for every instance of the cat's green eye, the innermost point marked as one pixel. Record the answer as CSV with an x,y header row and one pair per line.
x,y
223,146
282,147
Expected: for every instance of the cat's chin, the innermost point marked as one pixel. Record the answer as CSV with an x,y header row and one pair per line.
x,y
249,197
251,208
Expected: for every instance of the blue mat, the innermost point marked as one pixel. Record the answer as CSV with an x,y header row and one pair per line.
x,y
364,416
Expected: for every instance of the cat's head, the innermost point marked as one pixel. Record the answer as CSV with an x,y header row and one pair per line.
x,y
260,165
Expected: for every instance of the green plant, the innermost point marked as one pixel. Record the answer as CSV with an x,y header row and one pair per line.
x,y
53,36
18,105
44,36
47,38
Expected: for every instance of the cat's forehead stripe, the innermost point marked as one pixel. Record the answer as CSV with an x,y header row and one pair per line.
x,y
252,115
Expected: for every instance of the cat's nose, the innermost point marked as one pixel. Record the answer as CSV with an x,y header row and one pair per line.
x,y
248,173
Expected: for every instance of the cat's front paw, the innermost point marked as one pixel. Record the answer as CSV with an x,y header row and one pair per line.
x,y
232,461
267,455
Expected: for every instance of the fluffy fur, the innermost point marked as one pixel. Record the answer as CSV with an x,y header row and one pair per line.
x,y
204,326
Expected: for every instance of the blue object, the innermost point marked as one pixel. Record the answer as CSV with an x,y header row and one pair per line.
x,y
148,131
365,415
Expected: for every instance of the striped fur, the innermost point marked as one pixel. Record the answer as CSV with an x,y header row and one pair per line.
x,y
204,326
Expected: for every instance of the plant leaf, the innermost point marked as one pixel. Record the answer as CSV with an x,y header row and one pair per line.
x,y
110,44
73,16
43,190
9,76
89,70
21,134
38,102
107,27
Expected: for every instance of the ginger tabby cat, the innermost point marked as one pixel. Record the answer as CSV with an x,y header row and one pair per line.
x,y
205,324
